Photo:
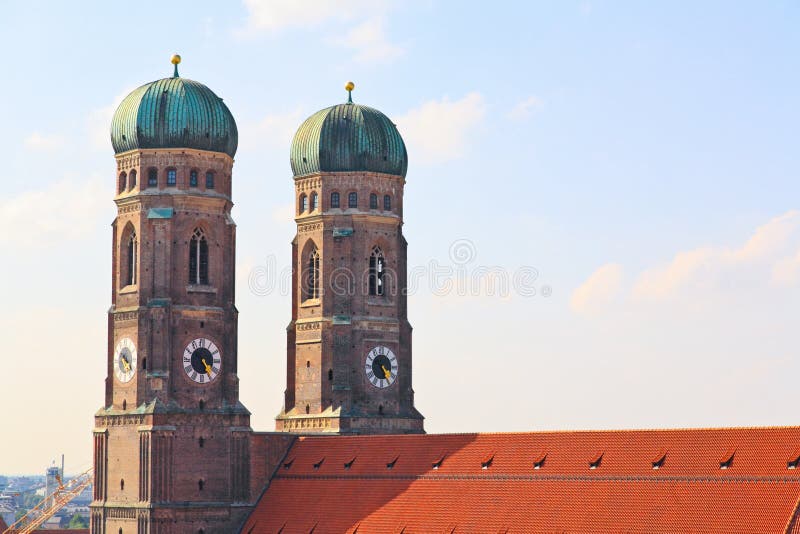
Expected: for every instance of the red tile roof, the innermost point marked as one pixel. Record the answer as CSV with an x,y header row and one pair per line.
x,y
487,483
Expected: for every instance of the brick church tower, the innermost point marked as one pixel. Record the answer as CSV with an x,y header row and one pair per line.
x,y
171,444
349,341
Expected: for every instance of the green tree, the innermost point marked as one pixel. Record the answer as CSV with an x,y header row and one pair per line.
x,y
78,521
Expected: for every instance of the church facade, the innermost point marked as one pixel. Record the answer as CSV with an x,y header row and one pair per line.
x,y
174,451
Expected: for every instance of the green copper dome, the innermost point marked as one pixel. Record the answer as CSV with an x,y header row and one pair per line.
x,y
174,113
348,137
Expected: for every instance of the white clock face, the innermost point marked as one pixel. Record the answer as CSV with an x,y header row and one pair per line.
x,y
125,360
381,367
202,360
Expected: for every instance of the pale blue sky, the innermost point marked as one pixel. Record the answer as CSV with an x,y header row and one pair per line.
x,y
642,157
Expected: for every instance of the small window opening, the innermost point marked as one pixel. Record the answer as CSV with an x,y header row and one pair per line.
x,y
538,463
794,461
314,201
348,465
124,404
122,484
201,441
200,484
144,364
303,203
438,462
387,203
334,199
373,201
308,408
120,530
132,180
727,461
380,409
201,404
390,465
312,275
377,265
122,182
486,463
192,178
352,200
288,463
201,531
658,461
198,258
308,364
330,374
209,180
319,464
152,178
594,463
172,177
202,324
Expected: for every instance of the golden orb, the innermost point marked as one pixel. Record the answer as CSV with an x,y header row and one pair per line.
x,y
175,59
349,86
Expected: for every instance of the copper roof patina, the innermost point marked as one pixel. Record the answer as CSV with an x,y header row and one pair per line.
x,y
348,137
174,113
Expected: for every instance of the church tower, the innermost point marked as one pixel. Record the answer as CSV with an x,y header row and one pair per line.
x,y
171,443
349,341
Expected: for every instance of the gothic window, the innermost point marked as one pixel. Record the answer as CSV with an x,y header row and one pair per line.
x,y
152,178
172,177
373,201
335,199
130,260
312,275
352,200
122,182
209,180
314,201
193,178
132,180
387,203
198,258
377,267
303,203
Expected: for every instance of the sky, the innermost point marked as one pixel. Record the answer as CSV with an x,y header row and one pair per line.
x,y
602,203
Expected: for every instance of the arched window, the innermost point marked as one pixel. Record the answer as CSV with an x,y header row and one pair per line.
x,y
335,199
352,200
209,180
122,182
312,275
172,177
387,203
373,201
314,201
152,178
198,258
129,276
377,266
303,203
131,180
193,178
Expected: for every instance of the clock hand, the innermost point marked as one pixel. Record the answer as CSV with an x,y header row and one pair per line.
x,y
208,367
126,365
386,372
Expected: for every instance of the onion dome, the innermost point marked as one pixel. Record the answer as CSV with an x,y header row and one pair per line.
x,y
174,113
348,137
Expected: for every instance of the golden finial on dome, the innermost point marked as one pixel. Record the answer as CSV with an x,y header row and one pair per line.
x,y
176,58
349,86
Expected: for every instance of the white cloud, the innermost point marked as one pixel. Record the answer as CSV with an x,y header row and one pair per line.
x,y
37,141
599,290
786,272
370,43
703,267
525,108
274,130
36,218
439,130
98,122
276,15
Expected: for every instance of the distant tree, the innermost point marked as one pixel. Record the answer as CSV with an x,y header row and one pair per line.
x,y
77,521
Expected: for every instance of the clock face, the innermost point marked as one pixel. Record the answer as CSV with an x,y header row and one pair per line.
x,y
381,367
202,360
125,360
